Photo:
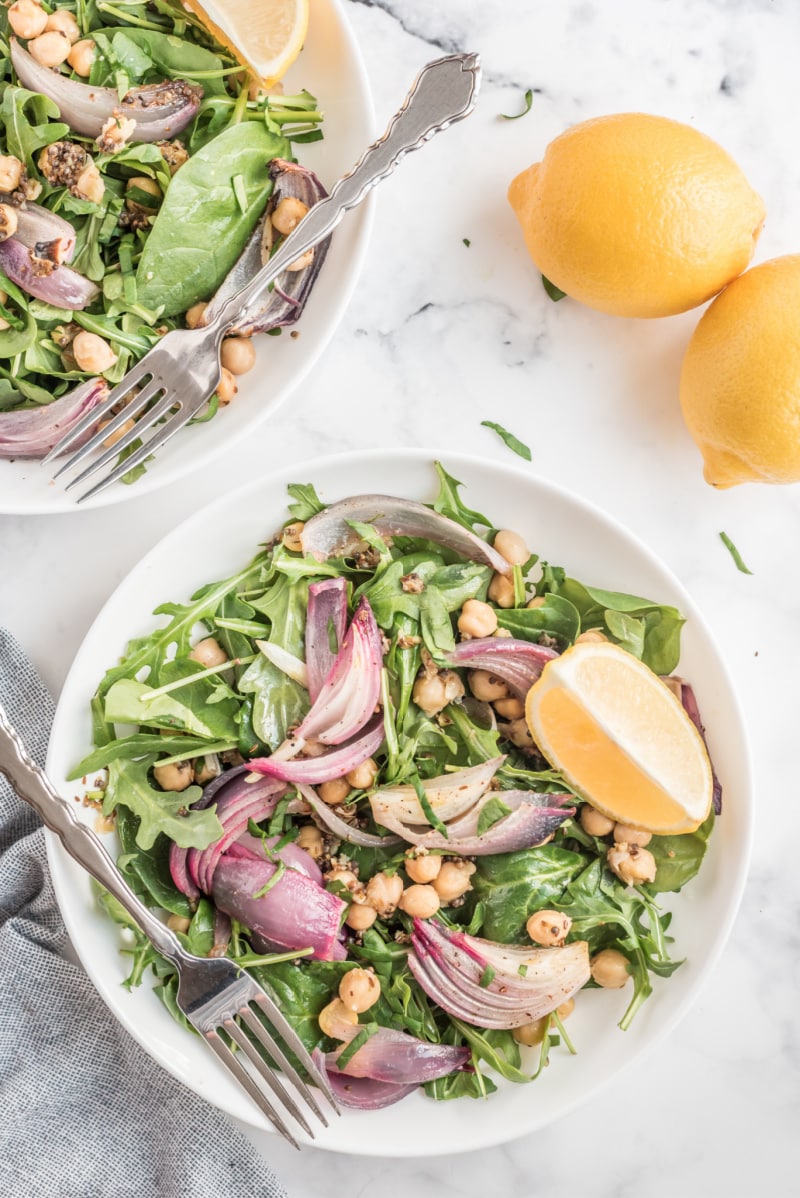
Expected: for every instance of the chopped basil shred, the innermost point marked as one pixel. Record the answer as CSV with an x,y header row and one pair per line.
x,y
554,292
515,116
513,443
735,554
159,707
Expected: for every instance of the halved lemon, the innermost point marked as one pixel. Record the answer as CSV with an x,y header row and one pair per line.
x,y
621,739
266,35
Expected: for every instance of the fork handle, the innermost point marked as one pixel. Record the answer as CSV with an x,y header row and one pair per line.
x,y
445,91
33,785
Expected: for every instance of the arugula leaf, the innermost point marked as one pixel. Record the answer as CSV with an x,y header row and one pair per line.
x,y
449,503
150,868
128,785
497,1048
555,293
492,813
200,229
307,502
735,554
515,116
513,443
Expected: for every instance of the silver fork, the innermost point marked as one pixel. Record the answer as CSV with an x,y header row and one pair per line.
x,y
183,370
213,994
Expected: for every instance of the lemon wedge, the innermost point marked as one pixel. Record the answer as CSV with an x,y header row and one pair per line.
x,y
621,739
265,35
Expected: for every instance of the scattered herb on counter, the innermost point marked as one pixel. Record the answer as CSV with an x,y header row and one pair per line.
x,y
513,443
515,116
735,554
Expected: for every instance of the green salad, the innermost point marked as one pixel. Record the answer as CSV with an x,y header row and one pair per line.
x,y
320,768
137,161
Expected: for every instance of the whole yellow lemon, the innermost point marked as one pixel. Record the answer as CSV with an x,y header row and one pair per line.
x,y
637,215
740,382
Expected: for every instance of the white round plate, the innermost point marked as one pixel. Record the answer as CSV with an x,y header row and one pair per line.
x,y
563,530
332,69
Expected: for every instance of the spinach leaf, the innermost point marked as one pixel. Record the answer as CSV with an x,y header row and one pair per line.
x,y
201,229
492,813
31,122
129,785
678,858
187,709
175,56
437,631
556,617
16,341
278,701
511,886
302,991
150,867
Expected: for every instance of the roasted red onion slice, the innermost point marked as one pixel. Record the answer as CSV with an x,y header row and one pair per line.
x,y
450,795
334,764
351,691
393,1056
46,234
62,286
494,985
359,1093
33,432
689,701
160,110
328,534
254,848
340,827
284,304
533,818
326,621
519,663
295,912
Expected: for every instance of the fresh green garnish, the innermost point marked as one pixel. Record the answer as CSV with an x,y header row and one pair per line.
x,y
513,443
515,116
554,292
735,554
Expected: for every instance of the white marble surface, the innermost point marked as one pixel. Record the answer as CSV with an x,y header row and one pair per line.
x,y
439,337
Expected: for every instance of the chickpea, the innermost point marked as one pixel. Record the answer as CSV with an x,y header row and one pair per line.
x,y
632,864
590,636
609,969
82,55
477,619
334,792
332,1017
174,777
423,869
530,1034
502,632
384,892
291,536
510,709
288,214
486,686
62,21
10,172
518,733
178,923
359,990
27,18
594,822
92,353
310,838
208,653
50,49
144,184
238,354
419,901
8,221
89,183
548,927
511,546
566,1009
432,693
537,601
360,916
501,590
345,877
453,880
195,315
362,777
111,440
625,834
226,387
206,768
302,262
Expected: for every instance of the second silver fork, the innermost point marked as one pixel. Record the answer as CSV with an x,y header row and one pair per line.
x,y
183,370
